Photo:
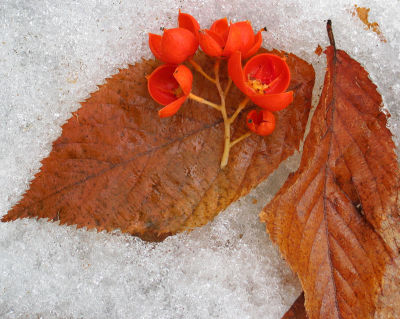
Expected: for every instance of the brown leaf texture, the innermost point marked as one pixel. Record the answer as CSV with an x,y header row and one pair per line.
x,y
336,219
117,165
297,310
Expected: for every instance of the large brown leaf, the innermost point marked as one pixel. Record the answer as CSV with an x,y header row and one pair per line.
x,y
336,220
297,310
118,165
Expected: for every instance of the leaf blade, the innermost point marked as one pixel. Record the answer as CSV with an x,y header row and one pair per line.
x,y
117,165
341,236
297,310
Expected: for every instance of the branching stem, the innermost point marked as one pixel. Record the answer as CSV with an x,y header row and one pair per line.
x,y
228,86
227,124
199,69
240,107
222,108
241,138
204,101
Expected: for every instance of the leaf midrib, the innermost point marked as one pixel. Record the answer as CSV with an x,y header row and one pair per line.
x,y
113,166
332,107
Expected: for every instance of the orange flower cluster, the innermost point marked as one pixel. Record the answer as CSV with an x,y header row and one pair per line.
x,y
264,79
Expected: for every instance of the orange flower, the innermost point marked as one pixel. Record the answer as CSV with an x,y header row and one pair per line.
x,y
177,44
222,39
188,22
170,86
250,42
264,79
261,122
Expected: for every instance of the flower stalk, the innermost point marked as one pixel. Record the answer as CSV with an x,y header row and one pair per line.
x,y
204,101
199,69
227,124
264,79
228,121
239,109
241,138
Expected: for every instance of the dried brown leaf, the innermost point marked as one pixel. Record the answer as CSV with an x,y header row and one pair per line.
x,y
297,310
117,165
336,220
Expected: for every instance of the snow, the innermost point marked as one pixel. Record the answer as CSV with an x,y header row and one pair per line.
x,y
52,56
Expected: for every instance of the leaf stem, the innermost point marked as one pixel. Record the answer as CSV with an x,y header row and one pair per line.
x,y
199,69
240,107
330,33
239,139
204,101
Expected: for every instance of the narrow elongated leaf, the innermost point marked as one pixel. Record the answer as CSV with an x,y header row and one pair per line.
x,y
117,165
336,220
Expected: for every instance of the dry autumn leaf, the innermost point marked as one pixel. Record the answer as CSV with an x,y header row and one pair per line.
x,y
297,310
336,220
117,165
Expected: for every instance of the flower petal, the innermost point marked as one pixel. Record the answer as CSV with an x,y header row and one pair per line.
x,y
267,126
281,82
261,122
233,41
221,28
155,45
256,46
171,108
236,73
246,36
252,121
177,45
272,102
184,77
188,22
161,84
210,43
270,69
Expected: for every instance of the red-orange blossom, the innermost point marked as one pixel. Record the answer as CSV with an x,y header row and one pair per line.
x,y
264,79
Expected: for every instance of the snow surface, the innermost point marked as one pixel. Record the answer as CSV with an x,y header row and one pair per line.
x,y
52,55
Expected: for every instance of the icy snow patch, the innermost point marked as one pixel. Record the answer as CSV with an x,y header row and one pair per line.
x,y
52,56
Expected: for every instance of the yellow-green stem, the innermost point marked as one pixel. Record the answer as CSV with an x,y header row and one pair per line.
x,y
228,86
199,69
204,101
227,125
239,139
222,108
240,107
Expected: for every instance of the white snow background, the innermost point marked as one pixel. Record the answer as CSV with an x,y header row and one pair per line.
x,y
52,56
